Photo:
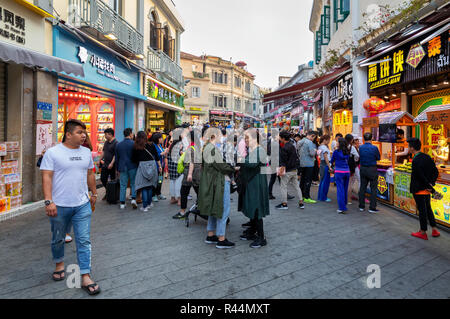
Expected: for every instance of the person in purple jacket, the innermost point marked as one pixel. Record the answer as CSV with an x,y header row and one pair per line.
x,y
342,173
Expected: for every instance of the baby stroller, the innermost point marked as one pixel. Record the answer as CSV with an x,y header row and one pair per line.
x,y
194,210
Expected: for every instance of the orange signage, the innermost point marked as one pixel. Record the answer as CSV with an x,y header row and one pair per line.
x,y
439,117
371,121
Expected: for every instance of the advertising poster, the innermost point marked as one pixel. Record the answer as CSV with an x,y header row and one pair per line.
x,y
403,199
441,208
383,186
43,137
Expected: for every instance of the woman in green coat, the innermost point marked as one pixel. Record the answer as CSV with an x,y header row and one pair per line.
x,y
214,192
254,190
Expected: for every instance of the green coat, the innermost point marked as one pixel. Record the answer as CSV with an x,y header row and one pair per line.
x,y
212,182
255,202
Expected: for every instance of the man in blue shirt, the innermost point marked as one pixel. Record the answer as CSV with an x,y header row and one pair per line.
x,y
368,156
126,167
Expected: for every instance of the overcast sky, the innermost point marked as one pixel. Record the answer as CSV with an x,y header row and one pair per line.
x,y
272,37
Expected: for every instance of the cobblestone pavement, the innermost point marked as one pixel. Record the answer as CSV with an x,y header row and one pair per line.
x,y
311,253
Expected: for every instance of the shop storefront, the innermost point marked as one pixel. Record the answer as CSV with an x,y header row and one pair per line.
x,y
413,78
196,115
164,105
105,97
28,99
238,118
341,98
223,118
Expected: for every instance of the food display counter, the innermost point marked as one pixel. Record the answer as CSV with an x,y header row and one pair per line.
x,y
384,130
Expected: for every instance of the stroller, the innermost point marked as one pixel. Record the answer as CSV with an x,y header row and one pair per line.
x,y
194,210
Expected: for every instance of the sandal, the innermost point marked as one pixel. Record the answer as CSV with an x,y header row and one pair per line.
x,y
60,274
91,292
68,239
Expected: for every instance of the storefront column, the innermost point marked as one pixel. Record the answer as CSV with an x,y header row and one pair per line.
x,y
129,113
404,101
140,116
359,96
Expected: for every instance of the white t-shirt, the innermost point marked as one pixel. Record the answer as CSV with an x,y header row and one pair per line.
x,y
70,167
324,151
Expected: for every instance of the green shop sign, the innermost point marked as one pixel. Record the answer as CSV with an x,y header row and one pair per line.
x,y
160,93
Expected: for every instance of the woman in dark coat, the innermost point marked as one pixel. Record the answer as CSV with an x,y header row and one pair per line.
x,y
254,191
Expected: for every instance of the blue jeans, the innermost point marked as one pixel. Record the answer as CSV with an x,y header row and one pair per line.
x,y
146,196
342,180
80,217
218,225
324,183
124,177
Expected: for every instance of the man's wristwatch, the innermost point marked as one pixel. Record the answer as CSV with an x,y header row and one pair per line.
x,y
48,202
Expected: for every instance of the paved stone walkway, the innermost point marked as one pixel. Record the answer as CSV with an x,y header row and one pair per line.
x,y
311,253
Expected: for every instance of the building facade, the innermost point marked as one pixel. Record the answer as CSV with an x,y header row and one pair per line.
x,y
218,91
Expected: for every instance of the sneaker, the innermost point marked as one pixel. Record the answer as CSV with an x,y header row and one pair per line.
x,y
420,235
247,224
435,233
122,206
290,197
211,239
144,209
134,204
179,216
248,236
258,243
349,203
309,201
225,244
162,197
282,206
361,209
374,211
315,184
69,239
189,197
301,205
271,197
341,212
155,199
328,200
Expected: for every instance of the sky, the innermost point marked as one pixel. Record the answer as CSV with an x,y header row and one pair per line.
x,y
272,37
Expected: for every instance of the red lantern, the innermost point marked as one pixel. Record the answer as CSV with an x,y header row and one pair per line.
x,y
374,105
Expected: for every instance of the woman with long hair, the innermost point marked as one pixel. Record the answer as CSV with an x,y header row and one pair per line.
x,y
352,164
325,168
172,158
342,173
156,145
142,152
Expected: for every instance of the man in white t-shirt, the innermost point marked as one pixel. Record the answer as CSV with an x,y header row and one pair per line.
x,y
66,175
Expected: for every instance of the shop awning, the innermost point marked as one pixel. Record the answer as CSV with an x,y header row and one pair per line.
x,y
196,112
31,58
422,117
394,117
307,86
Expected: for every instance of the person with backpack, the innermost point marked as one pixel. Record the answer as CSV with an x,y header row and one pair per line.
x,y
423,177
352,164
191,170
176,178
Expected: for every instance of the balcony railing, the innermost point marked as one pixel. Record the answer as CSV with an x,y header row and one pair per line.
x,y
160,62
97,15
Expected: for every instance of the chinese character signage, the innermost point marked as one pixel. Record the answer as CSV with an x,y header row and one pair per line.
x,y
410,62
383,187
342,90
403,199
439,117
371,121
12,26
159,92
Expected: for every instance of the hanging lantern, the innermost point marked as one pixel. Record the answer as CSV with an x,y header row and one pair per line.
x,y
374,105
288,122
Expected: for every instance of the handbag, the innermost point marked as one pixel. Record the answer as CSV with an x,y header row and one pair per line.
x,y
149,168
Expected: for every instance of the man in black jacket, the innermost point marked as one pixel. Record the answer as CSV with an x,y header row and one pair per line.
x,y
288,170
423,178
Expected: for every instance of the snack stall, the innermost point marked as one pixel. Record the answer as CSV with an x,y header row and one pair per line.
x,y
384,130
434,133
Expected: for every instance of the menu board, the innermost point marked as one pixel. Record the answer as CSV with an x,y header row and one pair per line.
x,y
441,208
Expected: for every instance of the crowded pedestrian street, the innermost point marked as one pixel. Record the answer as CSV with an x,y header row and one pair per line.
x,y
311,253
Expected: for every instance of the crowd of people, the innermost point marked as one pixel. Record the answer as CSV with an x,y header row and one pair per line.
x,y
215,162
